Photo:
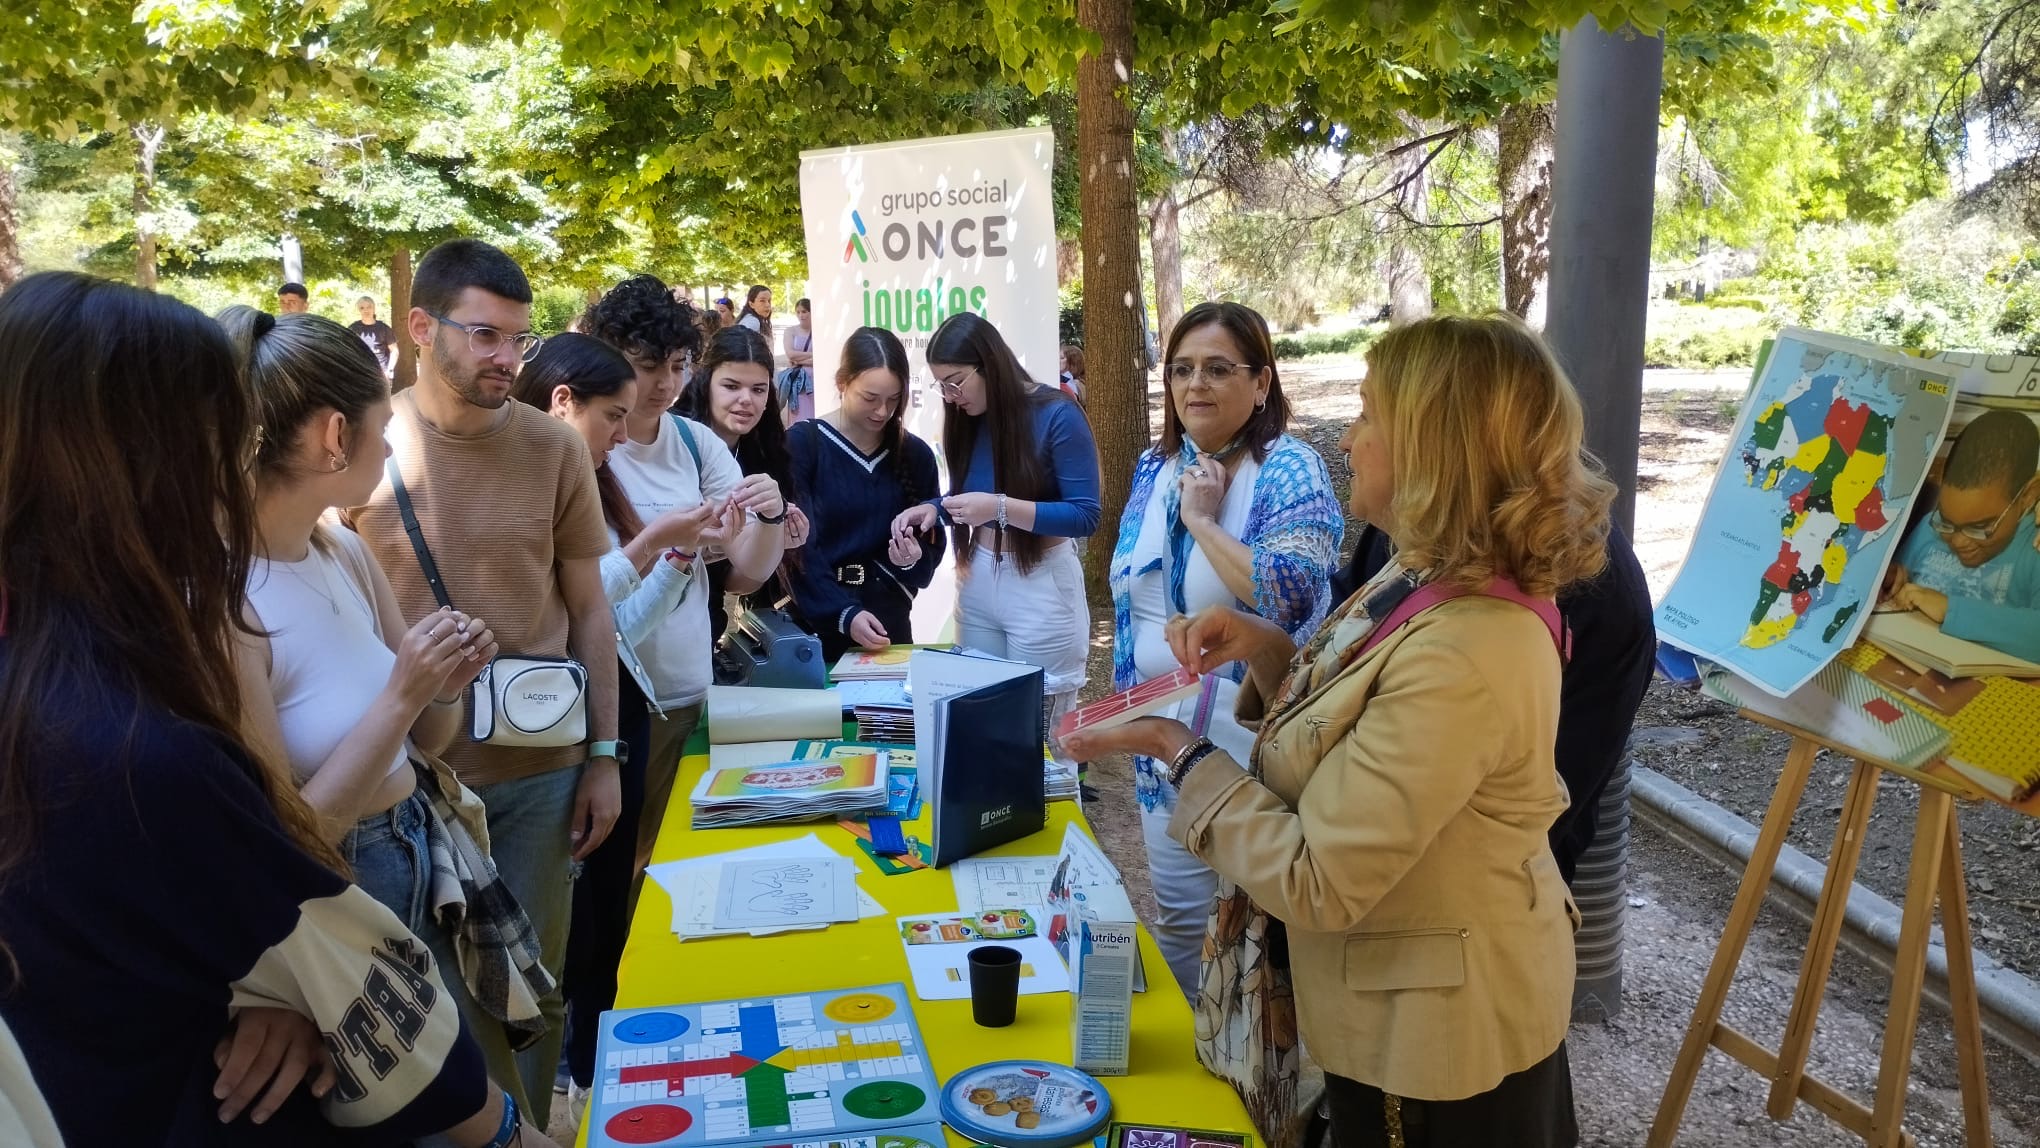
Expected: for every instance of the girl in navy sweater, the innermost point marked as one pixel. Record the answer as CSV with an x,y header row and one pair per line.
x,y
855,469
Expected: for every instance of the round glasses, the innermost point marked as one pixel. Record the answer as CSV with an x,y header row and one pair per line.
x,y
486,341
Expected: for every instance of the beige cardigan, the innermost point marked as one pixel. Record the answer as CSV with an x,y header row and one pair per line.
x,y
1399,831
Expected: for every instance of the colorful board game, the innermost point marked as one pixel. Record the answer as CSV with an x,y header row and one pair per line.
x,y
846,1068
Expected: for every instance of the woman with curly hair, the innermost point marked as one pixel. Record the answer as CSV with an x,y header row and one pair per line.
x,y
1391,818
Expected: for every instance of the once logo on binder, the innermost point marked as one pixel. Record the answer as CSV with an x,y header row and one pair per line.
x,y
992,817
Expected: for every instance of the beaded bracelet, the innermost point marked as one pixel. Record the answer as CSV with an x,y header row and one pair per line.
x,y
1188,756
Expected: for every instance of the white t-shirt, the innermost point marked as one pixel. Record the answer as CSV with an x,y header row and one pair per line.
x,y
1202,587
327,664
657,477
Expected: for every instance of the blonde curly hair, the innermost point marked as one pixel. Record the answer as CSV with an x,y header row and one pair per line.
x,y
1484,435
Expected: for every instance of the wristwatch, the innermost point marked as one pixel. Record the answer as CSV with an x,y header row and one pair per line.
x,y
620,750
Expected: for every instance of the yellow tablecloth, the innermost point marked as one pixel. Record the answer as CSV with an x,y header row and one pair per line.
x,y
1166,1085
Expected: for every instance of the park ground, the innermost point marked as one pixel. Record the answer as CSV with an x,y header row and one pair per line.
x,y
1677,900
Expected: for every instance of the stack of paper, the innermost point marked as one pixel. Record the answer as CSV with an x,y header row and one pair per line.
x,y
885,722
766,889
889,664
834,788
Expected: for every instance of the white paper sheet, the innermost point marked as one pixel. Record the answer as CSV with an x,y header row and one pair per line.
x,y
786,893
942,972
1000,882
692,885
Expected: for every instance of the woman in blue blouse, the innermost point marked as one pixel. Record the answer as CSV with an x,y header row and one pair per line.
x,y
1226,510
855,469
1023,475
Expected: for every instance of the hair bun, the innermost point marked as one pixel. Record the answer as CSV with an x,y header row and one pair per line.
x,y
264,323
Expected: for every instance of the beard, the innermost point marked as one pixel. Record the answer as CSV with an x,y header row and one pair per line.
x,y
465,380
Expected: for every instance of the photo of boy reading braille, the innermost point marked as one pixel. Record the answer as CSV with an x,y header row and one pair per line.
x,y
1971,566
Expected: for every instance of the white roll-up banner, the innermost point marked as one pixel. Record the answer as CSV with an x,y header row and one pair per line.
x,y
903,235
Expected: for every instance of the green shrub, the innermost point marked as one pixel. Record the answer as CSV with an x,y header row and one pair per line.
x,y
1325,342
554,309
1699,336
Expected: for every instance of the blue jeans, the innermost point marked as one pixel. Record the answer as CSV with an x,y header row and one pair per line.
x,y
391,863
529,820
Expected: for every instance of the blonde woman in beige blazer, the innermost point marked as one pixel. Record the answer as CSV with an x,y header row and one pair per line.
x,y
1394,813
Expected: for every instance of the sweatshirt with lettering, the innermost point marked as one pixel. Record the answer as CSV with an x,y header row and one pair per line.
x,y
160,894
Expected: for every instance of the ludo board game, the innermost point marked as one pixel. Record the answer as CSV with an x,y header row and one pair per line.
x,y
846,1067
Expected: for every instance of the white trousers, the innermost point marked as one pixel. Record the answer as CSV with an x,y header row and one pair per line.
x,y
1039,617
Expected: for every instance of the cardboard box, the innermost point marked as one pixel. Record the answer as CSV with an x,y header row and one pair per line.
x,y
1092,924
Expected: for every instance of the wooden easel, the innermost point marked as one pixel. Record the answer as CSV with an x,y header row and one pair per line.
x,y
1936,873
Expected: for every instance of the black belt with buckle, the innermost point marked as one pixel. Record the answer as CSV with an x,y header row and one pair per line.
x,y
851,574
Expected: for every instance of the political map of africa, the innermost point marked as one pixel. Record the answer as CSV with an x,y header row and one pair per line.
x,y
1825,462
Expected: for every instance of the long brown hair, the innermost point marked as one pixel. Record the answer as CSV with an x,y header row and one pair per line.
x,y
1012,403
590,369
123,409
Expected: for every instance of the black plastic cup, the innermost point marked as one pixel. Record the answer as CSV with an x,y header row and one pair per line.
x,y
994,985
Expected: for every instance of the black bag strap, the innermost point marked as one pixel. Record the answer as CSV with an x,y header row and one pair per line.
x,y
416,532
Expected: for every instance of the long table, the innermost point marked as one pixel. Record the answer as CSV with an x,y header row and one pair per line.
x,y
1166,1085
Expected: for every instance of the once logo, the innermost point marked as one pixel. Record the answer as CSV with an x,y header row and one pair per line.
x,y
856,245
993,816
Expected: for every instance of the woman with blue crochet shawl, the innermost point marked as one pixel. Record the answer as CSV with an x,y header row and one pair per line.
x,y
1226,509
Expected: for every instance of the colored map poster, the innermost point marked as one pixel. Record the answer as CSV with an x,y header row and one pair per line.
x,y
1822,469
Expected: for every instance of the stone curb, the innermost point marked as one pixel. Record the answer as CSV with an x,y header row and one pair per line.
x,y
2010,1002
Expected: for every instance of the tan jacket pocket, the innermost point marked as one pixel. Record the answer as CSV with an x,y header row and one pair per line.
x,y
1406,959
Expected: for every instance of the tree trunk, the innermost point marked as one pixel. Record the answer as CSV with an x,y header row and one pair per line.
x,y
148,142
10,225
1116,378
1409,280
400,318
1165,243
1528,137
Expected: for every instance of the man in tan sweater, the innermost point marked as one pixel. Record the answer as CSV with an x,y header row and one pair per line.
x,y
506,500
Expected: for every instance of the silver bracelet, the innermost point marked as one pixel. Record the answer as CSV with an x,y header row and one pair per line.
x,y
1002,512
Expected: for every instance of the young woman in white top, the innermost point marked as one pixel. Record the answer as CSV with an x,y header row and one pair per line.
x,y
592,387
321,689
797,382
666,463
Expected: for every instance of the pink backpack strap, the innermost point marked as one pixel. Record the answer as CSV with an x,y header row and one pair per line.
x,y
1431,594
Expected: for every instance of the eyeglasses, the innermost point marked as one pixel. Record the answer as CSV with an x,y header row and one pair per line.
x,y
953,388
1973,533
1217,372
486,341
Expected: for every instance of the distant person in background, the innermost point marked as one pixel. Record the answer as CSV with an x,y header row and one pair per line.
x,y
725,313
375,334
292,299
855,469
1971,567
757,313
1073,372
797,382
